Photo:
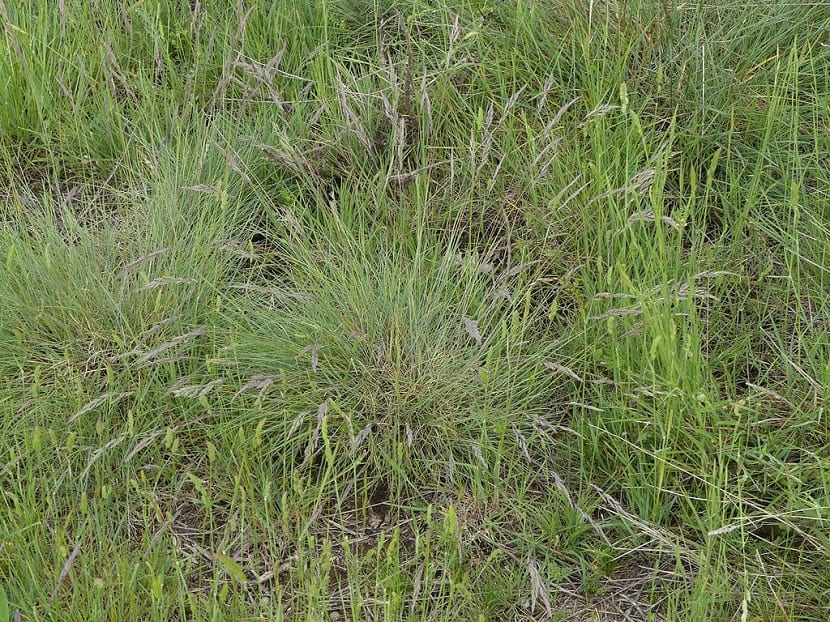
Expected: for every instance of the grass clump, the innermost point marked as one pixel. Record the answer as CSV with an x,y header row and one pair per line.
x,y
338,310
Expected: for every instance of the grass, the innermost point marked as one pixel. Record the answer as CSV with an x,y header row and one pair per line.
x,y
468,310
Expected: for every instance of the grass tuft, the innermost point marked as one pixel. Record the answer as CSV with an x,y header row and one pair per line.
x,y
340,310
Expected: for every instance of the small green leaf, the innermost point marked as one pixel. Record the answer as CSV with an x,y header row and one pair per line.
x,y
4,606
234,568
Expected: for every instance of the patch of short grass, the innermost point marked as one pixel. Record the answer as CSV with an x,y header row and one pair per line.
x,y
343,311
